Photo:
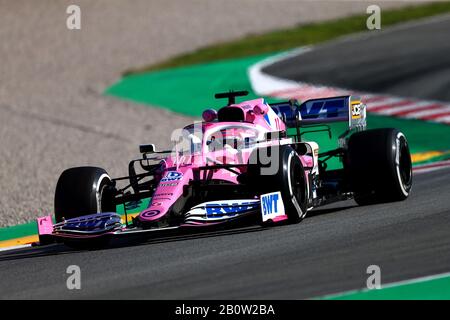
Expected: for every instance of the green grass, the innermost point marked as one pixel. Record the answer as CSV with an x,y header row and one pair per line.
x,y
294,37
428,288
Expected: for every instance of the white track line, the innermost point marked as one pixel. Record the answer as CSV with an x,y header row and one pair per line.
x,y
262,82
444,120
15,247
431,166
425,113
410,108
383,103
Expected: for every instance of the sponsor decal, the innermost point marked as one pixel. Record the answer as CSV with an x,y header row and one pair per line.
x,y
168,184
227,209
163,194
356,111
172,176
161,198
93,223
330,108
150,213
271,206
156,204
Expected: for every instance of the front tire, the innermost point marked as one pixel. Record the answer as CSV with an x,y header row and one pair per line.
x,y
287,176
380,166
81,191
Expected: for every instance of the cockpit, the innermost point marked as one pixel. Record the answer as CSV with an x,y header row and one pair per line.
x,y
235,137
193,140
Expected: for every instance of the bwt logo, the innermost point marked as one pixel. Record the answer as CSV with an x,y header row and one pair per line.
x,y
215,210
322,109
270,203
172,176
272,206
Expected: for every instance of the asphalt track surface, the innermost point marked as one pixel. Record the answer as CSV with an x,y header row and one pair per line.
x,y
406,61
328,252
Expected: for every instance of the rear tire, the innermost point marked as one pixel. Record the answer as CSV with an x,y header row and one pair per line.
x,y
81,191
379,164
289,178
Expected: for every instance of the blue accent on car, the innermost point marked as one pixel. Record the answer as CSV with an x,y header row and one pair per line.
x,y
94,223
228,210
172,176
269,204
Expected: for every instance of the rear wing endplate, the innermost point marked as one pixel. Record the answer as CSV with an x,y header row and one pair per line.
x,y
323,110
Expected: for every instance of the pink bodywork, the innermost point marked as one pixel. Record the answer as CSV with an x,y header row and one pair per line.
x,y
179,169
45,225
259,119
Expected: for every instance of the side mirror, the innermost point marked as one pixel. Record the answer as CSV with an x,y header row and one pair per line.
x,y
147,148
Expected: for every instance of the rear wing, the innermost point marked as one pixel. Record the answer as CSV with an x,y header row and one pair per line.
x,y
323,110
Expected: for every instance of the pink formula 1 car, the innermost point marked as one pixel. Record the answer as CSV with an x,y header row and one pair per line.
x,y
247,163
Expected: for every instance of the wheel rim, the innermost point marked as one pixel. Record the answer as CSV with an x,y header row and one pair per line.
x,y
105,196
298,186
405,166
